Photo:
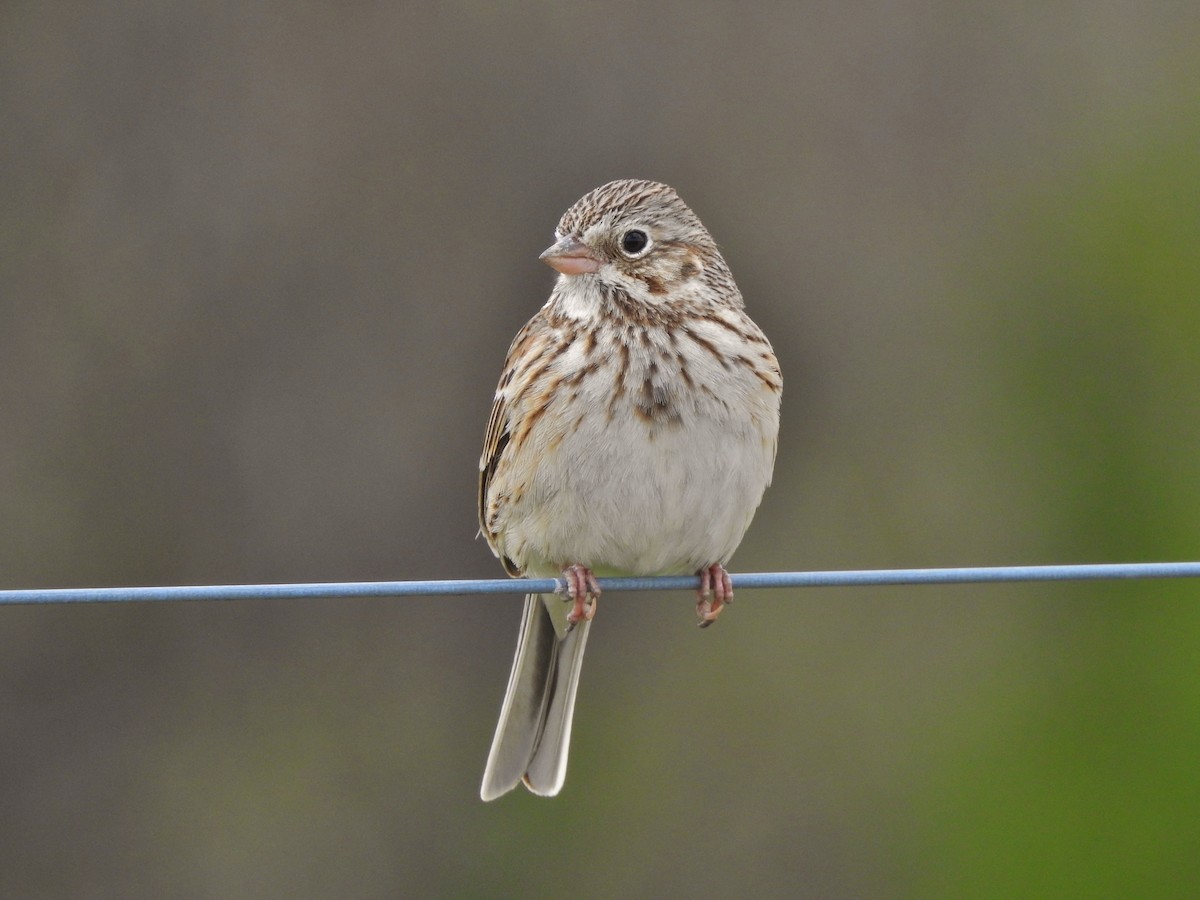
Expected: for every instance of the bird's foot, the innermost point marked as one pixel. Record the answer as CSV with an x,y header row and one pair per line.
x,y
716,590
584,590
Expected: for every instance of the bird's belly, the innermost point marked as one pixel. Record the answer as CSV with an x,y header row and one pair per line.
x,y
647,498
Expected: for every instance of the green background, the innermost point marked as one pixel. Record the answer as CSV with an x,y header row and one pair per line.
x,y
261,263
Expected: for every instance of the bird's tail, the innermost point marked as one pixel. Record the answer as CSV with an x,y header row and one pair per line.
x,y
534,732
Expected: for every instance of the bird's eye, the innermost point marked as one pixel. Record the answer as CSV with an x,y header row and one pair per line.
x,y
633,242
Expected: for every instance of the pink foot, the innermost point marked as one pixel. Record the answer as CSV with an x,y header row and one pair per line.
x,y
716,590
584,590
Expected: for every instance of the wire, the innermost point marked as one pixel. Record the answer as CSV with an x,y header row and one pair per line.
x,y
364,589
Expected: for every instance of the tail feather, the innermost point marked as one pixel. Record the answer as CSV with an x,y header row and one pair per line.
x,y
534,732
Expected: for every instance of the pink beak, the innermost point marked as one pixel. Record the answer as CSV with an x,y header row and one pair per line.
x,y
571,256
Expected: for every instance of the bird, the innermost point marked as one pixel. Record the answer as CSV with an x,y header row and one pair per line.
x,y
633,432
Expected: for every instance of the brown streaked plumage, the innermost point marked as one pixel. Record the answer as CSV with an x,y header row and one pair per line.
x,y
633,432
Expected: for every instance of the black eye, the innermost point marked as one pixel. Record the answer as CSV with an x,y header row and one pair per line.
x,y
634,242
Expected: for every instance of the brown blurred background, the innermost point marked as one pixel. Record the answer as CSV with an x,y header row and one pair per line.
x,y
260,266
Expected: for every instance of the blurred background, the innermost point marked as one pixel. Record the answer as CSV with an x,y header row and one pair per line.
x,y
260,267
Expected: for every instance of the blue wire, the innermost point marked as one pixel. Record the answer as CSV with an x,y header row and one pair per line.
x,y
360,589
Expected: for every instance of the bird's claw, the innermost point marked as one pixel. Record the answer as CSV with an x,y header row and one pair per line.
x,y
584,590
716,591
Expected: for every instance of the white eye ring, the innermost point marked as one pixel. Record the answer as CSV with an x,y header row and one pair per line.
x,y
635,243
